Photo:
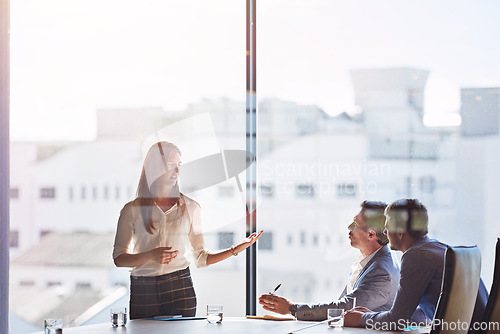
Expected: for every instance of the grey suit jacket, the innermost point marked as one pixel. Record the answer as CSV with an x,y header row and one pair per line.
x,y
375,288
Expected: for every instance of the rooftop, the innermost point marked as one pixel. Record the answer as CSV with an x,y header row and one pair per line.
x,y
69,250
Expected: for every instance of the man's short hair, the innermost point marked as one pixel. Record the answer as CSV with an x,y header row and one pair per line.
x,y
373,214
409,215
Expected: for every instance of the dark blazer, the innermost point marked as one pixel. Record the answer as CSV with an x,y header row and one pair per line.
x,y
375,288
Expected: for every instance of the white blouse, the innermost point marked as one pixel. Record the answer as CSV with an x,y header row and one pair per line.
x,y
183,234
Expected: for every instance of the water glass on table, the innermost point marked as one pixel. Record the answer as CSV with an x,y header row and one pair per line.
x,y
336,317
118,316
214,314
53,326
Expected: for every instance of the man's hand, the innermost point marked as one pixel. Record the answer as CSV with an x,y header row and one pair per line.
x,y
163,255
353,318
275,304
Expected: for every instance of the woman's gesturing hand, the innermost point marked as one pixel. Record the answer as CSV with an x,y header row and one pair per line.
x,y
247,242
163,255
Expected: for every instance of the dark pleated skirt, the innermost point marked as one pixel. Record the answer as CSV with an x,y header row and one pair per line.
x,y
169,294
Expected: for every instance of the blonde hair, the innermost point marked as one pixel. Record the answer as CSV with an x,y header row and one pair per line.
x,y
154,166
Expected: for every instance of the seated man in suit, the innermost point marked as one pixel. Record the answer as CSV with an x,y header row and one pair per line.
x,y
375,275
422,266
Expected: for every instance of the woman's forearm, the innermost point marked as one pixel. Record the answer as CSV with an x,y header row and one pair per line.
x,y
162,255
234,250
220,255
132,260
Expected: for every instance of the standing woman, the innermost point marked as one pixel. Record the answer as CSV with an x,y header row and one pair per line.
x,y
157,232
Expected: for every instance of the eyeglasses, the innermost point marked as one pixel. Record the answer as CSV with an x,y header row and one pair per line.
x,y
354,225
173,165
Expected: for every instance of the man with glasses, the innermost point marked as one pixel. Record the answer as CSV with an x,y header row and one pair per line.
x,y
422,266
374,278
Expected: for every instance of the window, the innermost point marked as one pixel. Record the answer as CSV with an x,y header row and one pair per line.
x,y
427,184
303,238
341,153
27,283
83,285
267,190
44,233
95,150
326,121
226,239
315,240
14,193
265,241
48,193
346,190
304,190
53,283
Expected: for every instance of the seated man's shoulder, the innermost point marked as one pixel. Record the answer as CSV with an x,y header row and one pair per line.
x,y
430,250
384,257
384,264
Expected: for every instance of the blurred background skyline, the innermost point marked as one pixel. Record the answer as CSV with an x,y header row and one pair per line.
x,y
347,90
71,58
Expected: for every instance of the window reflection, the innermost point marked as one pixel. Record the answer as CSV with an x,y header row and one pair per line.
x,y
86,131
366,107
344,104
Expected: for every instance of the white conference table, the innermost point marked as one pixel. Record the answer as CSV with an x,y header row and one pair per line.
x,y
228,326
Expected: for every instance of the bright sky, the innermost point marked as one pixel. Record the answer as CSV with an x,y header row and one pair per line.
x,y
70,58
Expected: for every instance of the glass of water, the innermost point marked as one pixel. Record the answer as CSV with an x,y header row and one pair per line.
x,y
214,314
335,317
118,316
53,326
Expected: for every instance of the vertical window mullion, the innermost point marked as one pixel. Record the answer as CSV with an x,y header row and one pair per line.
x,y
4,165
251,146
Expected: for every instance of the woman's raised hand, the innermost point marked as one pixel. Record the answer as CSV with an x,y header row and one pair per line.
x,y
247,242
163,255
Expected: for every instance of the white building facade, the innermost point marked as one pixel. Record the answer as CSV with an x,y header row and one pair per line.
x,y
314,171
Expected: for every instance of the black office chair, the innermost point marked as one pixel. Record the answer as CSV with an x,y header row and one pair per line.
x,y
491,316
461,277
477,316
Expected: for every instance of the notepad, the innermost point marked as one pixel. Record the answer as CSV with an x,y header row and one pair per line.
x,y
170,318
271,317
167,316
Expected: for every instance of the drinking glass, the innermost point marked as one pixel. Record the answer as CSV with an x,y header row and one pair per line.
x,y
335,317
53,326
214,314
118,316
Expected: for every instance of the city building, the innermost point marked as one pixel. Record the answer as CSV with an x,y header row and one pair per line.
x,y
314,171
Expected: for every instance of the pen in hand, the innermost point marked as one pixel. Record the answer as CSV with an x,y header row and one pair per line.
x,y
275,289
